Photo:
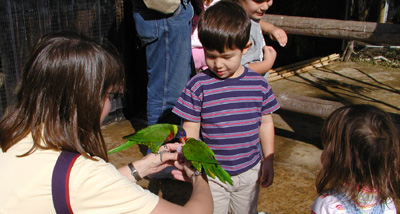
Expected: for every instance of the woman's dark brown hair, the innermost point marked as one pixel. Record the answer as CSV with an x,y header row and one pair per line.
x,y
361,149
63,86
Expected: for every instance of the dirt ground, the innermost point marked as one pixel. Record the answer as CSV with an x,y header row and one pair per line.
x,y
297,142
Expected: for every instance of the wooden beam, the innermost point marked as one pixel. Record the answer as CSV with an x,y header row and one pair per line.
x,y
338,29
306,105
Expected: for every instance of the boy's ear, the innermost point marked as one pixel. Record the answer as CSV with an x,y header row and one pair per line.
x,y
247,47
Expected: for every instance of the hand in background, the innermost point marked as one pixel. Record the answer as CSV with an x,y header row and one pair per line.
x,y
279,35
269,54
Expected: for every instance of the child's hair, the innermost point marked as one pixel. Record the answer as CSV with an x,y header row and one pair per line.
x,y
60,98
361,149
224,25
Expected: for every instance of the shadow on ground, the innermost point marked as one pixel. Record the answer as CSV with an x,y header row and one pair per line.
x,y
300,126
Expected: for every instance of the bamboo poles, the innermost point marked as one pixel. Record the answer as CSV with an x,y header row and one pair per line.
x,y
300,67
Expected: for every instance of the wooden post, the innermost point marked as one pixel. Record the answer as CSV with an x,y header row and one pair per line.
x,y
339,29
383,11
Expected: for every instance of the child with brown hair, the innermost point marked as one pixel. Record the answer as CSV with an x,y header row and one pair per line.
x,y
360,162
260,56
229,107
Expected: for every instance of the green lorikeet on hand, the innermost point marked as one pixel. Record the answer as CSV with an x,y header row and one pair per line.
x,y
154,137
201,156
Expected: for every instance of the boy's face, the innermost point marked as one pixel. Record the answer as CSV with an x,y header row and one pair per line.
x,y
256,8
226,64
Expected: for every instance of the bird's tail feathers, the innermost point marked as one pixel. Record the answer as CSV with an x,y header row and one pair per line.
x,y
215,170
123,146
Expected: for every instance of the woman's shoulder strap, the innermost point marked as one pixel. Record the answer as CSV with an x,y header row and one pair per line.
x,y
60,181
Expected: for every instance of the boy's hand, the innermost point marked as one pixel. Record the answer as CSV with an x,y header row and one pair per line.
x,y
267,171
278,35
269,54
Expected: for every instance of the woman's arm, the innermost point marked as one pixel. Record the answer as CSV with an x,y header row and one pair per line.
x,y
152,163
200,201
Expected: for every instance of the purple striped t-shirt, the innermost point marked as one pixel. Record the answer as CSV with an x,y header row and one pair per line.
x,y
230,112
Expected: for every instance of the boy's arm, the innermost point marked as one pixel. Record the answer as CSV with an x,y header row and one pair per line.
x,y
192,129
267,138
275,33
267,63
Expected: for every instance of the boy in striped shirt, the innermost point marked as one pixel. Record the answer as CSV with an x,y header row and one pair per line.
x,y
229,107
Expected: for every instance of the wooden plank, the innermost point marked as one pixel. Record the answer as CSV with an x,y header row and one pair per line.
x,y
338,29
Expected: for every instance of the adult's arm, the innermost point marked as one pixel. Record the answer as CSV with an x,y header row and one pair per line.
x,y
200,201
152,163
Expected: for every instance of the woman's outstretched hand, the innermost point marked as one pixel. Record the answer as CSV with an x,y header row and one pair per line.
x,y
152,163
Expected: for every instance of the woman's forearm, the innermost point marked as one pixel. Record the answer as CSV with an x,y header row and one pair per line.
x,y
201,192
200,201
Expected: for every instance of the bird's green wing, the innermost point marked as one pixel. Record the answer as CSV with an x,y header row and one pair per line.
x,y
215,170
152,136
196,165
153,133
208,169
195,150
222,175
202,157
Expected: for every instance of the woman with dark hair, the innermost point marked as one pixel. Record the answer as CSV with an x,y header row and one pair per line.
x,y
63,97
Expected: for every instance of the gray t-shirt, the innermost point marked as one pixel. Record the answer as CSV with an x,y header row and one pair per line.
x,y
255,53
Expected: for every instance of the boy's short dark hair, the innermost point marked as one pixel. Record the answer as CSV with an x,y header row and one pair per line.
x,y
224,25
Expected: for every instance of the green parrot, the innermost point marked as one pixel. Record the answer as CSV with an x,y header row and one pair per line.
x,y
201,156
154,137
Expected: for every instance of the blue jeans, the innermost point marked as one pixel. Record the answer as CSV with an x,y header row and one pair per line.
x,y
168,54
